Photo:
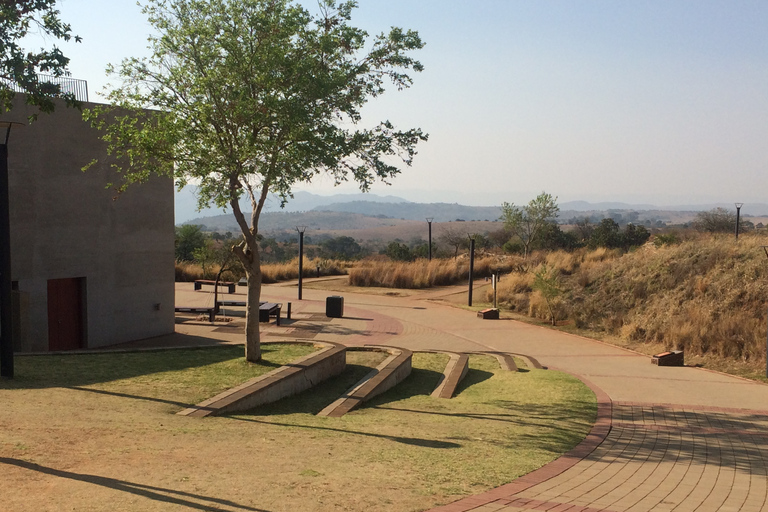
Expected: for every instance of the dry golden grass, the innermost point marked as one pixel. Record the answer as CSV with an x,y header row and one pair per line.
x,y
276,272
187,271
423,273
706,295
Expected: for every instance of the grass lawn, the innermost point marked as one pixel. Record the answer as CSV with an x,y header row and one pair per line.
x,y
98,433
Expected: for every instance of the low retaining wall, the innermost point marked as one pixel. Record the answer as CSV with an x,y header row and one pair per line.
x,y
454,373
388,374
287,380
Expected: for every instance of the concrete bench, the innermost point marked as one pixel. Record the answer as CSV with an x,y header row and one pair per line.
x,y
211,312
200,282
673,358
268,309
231,303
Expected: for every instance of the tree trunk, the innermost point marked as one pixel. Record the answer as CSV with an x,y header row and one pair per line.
x,y
252,336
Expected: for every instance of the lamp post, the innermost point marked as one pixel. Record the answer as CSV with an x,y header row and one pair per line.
x,y
738,217
6,315
429,223
471,267
301,230
765,249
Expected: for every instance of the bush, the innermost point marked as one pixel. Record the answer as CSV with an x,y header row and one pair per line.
x,y
666,239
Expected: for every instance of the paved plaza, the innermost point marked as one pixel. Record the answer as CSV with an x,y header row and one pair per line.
x,y
666,438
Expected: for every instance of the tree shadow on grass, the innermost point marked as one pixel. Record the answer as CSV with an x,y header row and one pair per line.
x,y
73,370
413,441
315,399
161,494
471,378
420,382
523,414
135,397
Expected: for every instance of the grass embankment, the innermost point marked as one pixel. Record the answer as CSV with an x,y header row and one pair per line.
x,y
187,271
182,376
706,296
425,274
74,433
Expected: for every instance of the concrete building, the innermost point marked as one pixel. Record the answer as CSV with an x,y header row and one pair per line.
x,y
89,267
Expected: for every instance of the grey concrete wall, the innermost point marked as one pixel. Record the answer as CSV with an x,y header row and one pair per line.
x,y
66,223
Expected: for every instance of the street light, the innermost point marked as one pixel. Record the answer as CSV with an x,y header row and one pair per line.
x,y
765,249
6,316
429,222
301,230
738,215
471,266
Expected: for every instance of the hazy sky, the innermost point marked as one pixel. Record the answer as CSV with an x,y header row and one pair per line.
x,y
652,101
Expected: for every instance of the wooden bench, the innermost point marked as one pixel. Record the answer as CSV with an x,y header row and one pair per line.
x,y
200,282
267,309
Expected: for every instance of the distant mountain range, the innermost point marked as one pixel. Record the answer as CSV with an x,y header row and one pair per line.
x,y
186,203
350,209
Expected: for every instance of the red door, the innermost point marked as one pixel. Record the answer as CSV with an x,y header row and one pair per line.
x,y
65,314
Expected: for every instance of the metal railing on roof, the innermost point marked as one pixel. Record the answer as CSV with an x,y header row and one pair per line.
x,y
78,88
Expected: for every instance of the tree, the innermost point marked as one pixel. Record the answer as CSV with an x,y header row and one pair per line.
x,y
189,237
606,234
19,68
454,238
397,251
248,97
584,229
717,220
634,236
527,222
547,281
553,238
341,248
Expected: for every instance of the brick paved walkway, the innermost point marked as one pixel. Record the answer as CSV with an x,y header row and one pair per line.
x,y
667,439
658,458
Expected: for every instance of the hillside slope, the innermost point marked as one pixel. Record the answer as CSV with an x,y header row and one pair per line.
x,y
707,295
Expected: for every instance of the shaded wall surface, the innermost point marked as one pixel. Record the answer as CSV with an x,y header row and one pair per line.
x,y
67,226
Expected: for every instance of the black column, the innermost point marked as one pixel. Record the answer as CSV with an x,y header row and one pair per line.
x,y
471,267
6,319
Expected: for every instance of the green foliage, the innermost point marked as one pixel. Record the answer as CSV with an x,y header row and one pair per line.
x,y
341,248
21,67
397,251
189,238
248,97
273,251
513,247
546,280
527,222
553,238
666,239
421,250
608,234
634,236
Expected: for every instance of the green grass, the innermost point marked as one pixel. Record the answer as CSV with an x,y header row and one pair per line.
x,y
186,376
403,451
500,425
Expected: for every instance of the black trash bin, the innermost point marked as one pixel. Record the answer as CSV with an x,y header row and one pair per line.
x,y
334,306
